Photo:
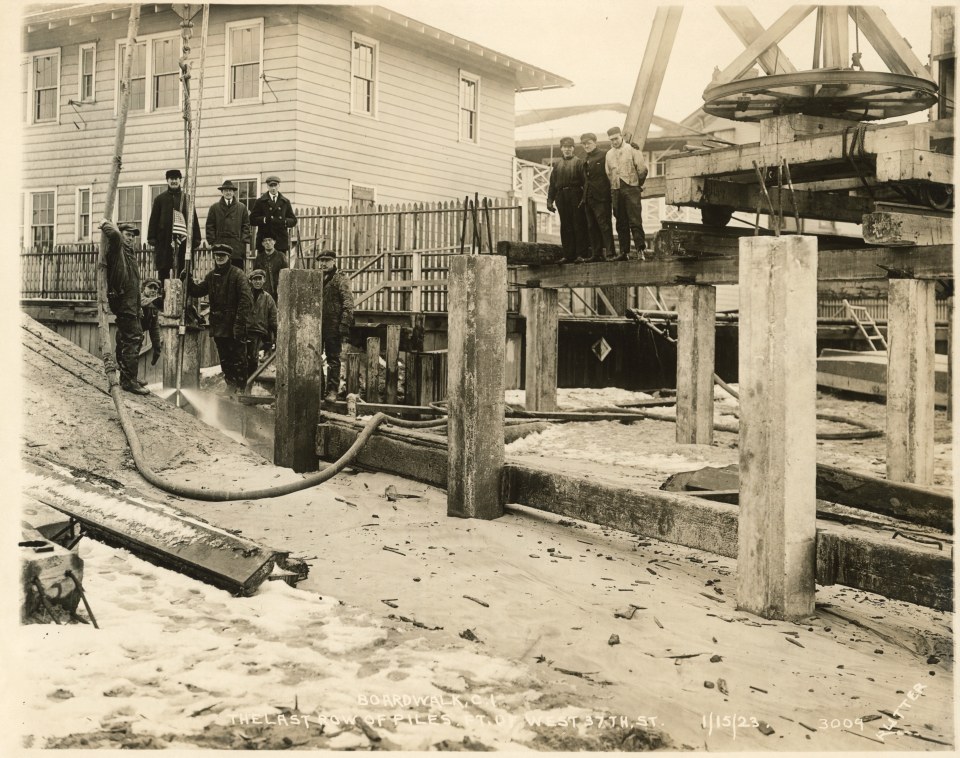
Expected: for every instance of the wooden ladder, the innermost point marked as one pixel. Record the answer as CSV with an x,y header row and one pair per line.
x,y
865,323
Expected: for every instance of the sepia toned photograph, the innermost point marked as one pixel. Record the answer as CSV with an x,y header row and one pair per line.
x,y
529,376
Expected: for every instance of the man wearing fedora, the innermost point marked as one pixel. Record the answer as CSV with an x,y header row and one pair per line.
x,y
228,223
336,318
161,230
273,216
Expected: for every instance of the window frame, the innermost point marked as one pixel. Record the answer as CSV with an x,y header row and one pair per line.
x,y
228,66
31,88
146,205
148,40
28,214
374,44
78,213
351,185
92,98
464,75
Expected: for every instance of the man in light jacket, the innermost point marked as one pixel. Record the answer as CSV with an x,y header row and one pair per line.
x,y
627,171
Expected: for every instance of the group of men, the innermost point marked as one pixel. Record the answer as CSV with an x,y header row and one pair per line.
x,y
243,309
585,190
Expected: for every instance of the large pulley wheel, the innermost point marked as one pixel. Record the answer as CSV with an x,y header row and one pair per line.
x,y
836,93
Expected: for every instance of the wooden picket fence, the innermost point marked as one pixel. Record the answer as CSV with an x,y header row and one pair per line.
x,y
392,253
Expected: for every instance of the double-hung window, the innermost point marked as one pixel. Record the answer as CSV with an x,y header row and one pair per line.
x,y
42,217
154,74
244,61
45,86
469,106
86,90
247,191
83,214
130,206
364,63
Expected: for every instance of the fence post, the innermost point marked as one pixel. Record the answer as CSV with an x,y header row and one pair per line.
x,y
393,355
416,273
372,393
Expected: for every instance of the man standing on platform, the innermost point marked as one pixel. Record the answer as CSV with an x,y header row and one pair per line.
x,y
337,318
273,215
627,171
123,297
565,195
596,199
167,229
228,223
231,307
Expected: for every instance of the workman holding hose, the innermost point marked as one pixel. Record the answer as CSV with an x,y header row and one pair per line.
x,y
231,308
263,324
337,318
123,297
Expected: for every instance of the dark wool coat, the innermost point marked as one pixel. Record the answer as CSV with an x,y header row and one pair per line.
x,y
231,300
123,274
272,265
337,305
264,320
160,230
229,226
150,321
597,185
273,218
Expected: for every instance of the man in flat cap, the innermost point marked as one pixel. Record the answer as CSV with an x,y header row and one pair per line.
x,y
263,322
169,239
596,199
336,319
123,297
627,171
565,194
231,307
228,223
271,261
273,214
150,317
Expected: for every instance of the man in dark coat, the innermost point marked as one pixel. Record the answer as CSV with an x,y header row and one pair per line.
x,y
228,223
271,262
123,297
160,230
231,306
565,195
336,319
150,318
273,215
596,200
263,323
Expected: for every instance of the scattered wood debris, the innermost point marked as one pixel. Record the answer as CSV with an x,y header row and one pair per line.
x,y
418,624
657,622
468,634
366,729
715,659
765,728
722,686
614,640
628,614
390,549
479,602
795,642
713,597
390,602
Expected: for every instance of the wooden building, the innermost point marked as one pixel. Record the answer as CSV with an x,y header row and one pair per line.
x,y
347,104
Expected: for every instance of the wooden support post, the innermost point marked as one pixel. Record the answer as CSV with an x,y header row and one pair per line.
x,y
190,372
776,556
910,380
540,311
352,362
411,386
299,369
372,375
477,344
393,358
696,335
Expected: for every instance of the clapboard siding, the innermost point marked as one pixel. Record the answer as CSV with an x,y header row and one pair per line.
x,y
302,130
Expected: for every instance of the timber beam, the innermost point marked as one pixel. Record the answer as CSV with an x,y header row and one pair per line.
x,y
892,228
679,239
866,264
900,570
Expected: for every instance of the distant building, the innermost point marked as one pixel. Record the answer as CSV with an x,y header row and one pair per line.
x,y
347,104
